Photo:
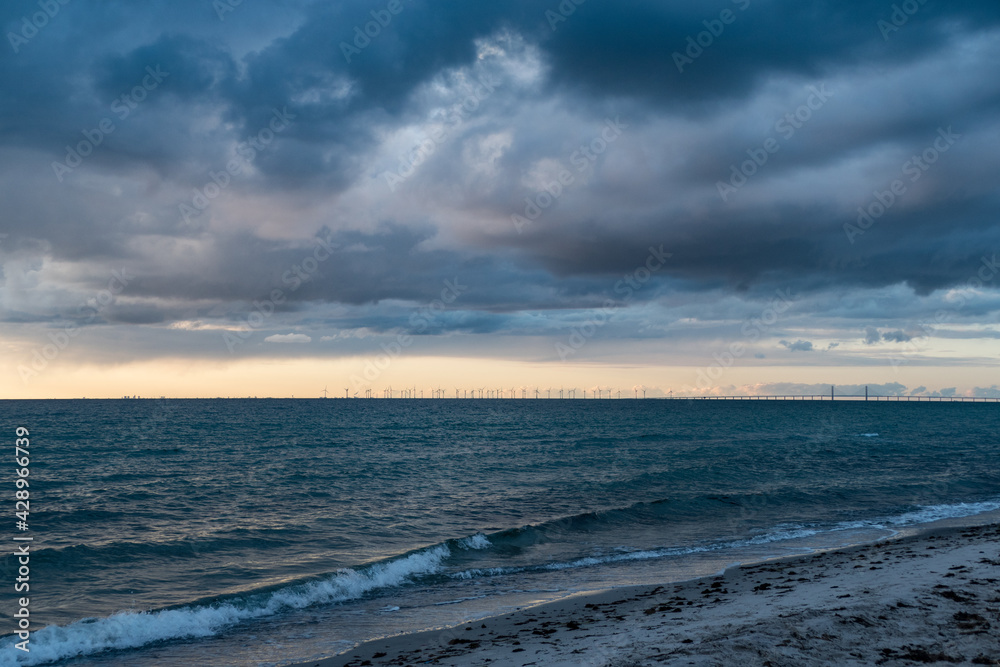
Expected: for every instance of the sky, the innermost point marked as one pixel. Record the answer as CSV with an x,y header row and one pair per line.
x,y
207,198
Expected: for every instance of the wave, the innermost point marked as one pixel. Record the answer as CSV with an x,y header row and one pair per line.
x,y
786,532
131,630
780,534
929,513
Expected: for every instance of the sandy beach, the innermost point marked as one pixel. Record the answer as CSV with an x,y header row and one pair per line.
x,y
930,598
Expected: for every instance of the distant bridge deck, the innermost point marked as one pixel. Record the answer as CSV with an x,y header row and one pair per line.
x,y
843,397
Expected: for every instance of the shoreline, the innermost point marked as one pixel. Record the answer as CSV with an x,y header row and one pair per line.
x,y
925,597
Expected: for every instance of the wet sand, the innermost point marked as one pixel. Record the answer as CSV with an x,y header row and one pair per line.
x,y
930,598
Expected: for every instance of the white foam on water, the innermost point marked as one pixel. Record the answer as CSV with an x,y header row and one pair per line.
x,y
781,533
129,630
477,541
929,513
476,573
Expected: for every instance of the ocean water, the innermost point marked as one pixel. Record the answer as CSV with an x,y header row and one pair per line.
x,y
267,532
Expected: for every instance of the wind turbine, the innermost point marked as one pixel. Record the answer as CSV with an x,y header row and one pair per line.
x,y
347,391
324,392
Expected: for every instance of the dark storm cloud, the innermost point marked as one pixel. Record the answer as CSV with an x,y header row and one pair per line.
x,y
346,267
628,48
605,60
196,68
800,245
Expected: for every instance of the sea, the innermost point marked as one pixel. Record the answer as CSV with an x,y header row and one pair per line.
x,y
271,532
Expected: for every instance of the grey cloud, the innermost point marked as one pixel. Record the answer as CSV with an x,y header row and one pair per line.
x,y
897,336
293,338
655,186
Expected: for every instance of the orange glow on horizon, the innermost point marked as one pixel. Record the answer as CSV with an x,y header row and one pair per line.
x,y
306,378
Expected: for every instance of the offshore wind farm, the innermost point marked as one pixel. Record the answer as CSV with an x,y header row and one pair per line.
x,y
606,393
